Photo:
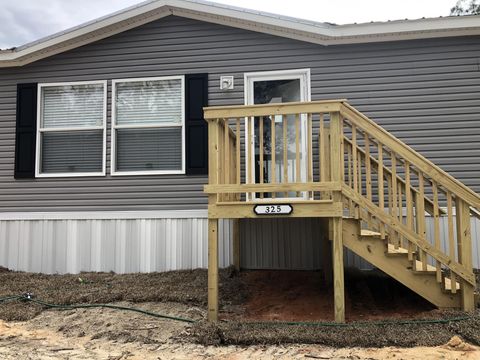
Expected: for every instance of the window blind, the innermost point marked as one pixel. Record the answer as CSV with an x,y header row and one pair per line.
x,y
148,125
149,102
72,106
149,149
72,128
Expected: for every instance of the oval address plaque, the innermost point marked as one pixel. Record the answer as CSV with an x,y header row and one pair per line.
x,y
276,209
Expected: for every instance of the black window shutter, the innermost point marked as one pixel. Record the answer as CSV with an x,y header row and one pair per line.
x,y
26,127
196,129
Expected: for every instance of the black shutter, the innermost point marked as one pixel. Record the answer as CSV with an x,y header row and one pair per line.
x,y
25,135
196,129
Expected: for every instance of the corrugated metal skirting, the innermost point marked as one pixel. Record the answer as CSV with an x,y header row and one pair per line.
x,y
295,244
122,246
147,245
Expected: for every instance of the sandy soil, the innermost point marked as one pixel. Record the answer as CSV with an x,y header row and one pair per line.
x,y
112,335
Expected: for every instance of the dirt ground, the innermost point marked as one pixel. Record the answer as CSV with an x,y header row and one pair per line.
x,y
303,296
248,299
111,335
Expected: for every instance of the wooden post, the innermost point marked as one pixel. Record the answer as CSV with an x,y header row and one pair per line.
x,y
337,168
213,178
464,245
326,250
212,270
236,244
338,276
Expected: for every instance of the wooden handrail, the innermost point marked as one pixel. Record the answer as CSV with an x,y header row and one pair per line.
x,y
244,188
221,112
410,155
425,246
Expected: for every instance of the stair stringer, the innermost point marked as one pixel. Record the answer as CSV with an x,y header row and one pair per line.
x,y
373,250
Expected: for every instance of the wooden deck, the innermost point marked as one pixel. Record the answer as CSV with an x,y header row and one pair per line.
x,y
326,159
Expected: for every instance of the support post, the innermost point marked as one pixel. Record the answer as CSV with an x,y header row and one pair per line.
x,y
337,170
464,239
236,244
212,270
326,250
213,178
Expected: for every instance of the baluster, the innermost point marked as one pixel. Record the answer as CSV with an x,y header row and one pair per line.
x,y
285,155
394,202
400,210
238,150
381,190
409,204
368,174
309,139
226,155
351,206
354,167
451,239
420,212
261,165
297,150
248,144
436,229
273,153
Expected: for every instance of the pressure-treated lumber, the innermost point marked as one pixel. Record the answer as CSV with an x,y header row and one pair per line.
x,y
212,270
459,269
407,153
373,250
464,240
336,165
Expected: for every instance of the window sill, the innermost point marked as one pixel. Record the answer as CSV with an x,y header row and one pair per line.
x,y
154,172
66,175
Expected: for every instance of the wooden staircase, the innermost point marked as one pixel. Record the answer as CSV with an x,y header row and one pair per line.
x,y
396,263
384,201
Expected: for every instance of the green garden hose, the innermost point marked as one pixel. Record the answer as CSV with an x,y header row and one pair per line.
x,y
29,298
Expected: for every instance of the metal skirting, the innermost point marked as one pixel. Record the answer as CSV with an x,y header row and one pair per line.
x,y
125,244
295,244
119,245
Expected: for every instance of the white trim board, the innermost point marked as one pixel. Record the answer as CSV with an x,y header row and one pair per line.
x,y
106,215
304,30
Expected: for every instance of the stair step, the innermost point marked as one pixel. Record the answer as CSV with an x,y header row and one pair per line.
x,y
391,251
369,233
417,268
448,284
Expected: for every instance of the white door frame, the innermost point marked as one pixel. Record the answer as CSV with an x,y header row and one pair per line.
x,y
249,78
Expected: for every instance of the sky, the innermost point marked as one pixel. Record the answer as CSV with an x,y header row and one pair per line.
x,y
23,21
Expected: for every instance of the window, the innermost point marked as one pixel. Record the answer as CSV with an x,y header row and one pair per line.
x,y
148,117
71,131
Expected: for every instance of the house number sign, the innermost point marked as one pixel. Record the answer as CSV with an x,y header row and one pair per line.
x,y
276,209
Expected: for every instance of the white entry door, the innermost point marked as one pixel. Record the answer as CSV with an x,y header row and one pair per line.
x,y
268,88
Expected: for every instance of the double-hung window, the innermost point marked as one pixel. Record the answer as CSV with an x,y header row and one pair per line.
x,y
148,117
71,129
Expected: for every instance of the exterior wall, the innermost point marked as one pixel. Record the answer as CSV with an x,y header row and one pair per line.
x,y
124,243
426,92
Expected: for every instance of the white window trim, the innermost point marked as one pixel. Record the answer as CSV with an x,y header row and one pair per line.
x,y
39,174
113,153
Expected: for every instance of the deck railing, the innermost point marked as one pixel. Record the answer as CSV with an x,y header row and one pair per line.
x,y
270,152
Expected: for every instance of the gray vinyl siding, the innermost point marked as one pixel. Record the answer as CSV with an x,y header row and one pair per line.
x,y
426,92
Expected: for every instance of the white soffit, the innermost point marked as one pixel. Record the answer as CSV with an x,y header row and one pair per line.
x,y
304,30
